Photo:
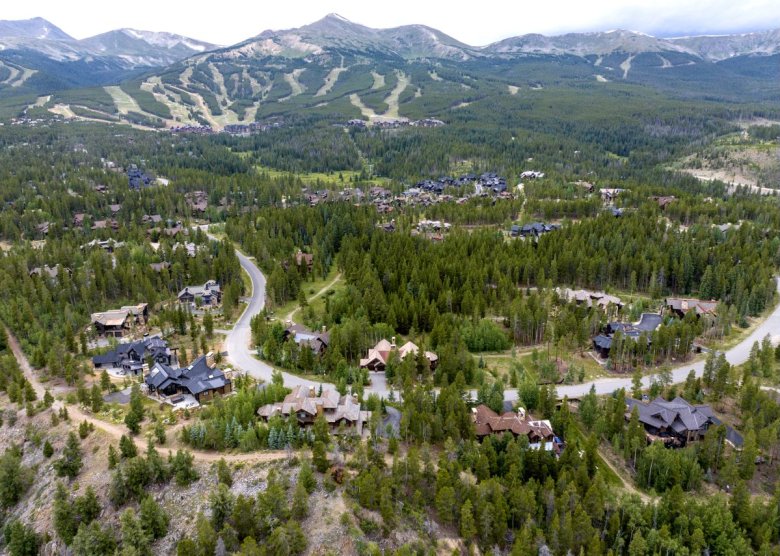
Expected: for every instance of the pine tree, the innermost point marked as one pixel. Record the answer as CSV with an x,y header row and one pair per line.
x,y
64,515
300,502
319,458
70,463
134,535
127,448
468,528
154,520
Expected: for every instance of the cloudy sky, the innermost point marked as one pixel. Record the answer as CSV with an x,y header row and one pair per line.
x,y
477,23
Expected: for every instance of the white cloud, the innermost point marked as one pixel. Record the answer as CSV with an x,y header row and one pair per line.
x,y
230,21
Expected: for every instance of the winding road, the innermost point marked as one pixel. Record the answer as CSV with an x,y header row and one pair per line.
x,y
241,355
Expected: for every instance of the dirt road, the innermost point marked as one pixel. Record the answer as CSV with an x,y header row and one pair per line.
x,y
77,415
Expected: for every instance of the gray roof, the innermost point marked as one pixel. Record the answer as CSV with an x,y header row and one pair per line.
x,y
197,378
210,287
677,415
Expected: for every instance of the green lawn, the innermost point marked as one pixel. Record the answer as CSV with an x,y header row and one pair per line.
x,y
340,178
310,289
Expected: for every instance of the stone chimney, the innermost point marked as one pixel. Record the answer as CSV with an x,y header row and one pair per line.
x,y
210,360
392,342
521,413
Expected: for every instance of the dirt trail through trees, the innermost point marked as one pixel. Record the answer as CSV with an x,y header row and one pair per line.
x,y
77,415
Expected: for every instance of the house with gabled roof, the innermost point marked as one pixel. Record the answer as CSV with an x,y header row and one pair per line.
x,y
316,341
678,422
116,322
680,306
306,405
199,379
208,294
539,432
380,354
647,324
129,358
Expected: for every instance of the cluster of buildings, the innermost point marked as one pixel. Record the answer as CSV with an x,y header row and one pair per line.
x,y
380,355
486,182
649,322
394,123
305,404
230,129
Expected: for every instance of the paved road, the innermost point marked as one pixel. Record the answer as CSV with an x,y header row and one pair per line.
x,y
240,353
736,356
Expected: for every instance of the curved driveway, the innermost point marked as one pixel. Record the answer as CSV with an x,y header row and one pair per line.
x,y
241,355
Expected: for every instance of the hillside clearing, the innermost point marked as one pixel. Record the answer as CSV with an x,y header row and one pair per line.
x,y
330,81
392,98
379,80
124,103
292,80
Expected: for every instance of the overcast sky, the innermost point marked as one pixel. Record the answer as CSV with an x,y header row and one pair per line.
x,y
476,23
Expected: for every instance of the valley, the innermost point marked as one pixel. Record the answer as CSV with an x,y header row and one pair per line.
x,y
341,289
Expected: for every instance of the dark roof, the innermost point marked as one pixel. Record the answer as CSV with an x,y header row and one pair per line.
x,y
136,351
197,378
680,416
602,342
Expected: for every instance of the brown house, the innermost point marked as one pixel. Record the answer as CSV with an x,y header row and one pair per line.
x,y
302,258
488,422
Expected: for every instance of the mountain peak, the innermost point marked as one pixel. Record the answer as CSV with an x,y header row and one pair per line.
x,y
36,28
336,17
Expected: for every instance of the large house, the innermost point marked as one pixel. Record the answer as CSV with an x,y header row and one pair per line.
x,y
305,404
534,229
200,380
130,358
116,322
539,433
648,322
590,298
317,342
208,294
678,422
681,306
380,354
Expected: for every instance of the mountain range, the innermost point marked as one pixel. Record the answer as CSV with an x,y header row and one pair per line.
x,y
39,51
337,65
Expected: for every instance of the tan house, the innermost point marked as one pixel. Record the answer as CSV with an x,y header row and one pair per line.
x,y
681,306
380,354
117,322
590,298
304,403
